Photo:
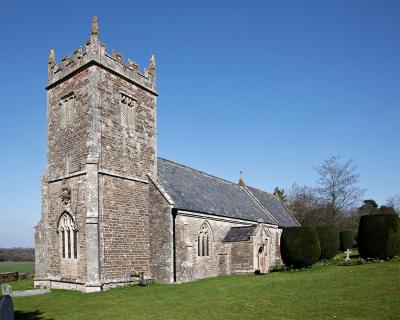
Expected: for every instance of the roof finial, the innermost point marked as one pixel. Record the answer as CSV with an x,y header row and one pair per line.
x,y
241,180
52,57
95,27
152,64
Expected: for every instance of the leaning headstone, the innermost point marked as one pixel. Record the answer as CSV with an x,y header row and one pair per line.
x,y
6,308
6,290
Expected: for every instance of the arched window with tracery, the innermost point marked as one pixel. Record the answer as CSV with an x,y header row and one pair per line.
x,y
68,236
204,241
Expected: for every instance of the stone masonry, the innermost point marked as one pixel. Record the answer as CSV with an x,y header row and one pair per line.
x,y
112,209
102,163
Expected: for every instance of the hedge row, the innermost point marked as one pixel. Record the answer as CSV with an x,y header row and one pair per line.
x,y
300,246
379,236
329,241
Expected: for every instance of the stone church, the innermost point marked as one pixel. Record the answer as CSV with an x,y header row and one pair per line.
x,y
113,210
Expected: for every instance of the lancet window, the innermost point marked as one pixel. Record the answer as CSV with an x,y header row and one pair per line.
x,y
204,241
68,237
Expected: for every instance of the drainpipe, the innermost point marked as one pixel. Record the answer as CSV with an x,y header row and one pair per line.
x,y
174,213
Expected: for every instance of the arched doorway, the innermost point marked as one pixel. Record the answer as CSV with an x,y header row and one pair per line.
x,y
261,258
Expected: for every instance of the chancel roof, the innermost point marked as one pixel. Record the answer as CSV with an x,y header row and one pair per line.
x,y
275,206
196,191
240,233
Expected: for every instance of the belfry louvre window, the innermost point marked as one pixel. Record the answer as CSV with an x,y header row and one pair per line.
x,y
127,106
67,105
68,237
203,241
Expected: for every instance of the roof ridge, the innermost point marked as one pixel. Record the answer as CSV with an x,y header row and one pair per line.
x,y
260,190
202,172
281,202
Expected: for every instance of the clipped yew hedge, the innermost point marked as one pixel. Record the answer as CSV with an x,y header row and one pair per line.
x,y
379,236
346,240
329,241
300,246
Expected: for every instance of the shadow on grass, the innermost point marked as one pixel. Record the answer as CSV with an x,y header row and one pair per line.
x,y
29,315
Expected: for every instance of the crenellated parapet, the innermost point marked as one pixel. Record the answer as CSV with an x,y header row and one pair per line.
x,y
95,52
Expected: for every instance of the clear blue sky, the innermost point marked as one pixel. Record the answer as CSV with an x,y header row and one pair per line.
x,y
268,87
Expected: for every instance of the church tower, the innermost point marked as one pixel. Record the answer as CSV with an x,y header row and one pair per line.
x,y
101,147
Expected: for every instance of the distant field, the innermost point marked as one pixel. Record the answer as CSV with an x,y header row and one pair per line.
x,y
24,267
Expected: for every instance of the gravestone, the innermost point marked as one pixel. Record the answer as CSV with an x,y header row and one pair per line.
x,y
347,255
6,290
6,308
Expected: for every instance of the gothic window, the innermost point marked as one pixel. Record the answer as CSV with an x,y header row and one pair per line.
x,y
127,106
203,241
67,105
68,237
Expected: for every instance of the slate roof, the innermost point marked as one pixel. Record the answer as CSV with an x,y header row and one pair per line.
x,y
196,191
239,233
275,207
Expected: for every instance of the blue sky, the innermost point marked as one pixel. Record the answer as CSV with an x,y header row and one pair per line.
x,y
268,87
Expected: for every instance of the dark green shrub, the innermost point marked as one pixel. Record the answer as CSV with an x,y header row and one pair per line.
x,y
379,236
346,240
329,241
300,246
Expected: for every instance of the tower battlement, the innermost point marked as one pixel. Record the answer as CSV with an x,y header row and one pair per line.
x,y
95,52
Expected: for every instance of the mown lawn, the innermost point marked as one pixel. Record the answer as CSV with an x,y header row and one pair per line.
x,y
11,266
369,291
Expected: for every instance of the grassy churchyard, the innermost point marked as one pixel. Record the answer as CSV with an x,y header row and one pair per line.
x,y
369,291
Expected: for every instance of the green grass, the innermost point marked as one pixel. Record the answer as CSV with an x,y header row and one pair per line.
x,y
21,285
24,267
368,291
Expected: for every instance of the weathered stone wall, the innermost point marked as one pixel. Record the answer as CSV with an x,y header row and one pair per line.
x,y
276,244
14,276
68,105
64,268
242,257
161,242
129,150
8,276
104,160
124,228
127,155
68,137
235,257
42,235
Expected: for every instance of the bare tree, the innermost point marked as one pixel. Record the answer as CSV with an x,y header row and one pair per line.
x,y
338,186
394,201
304,203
